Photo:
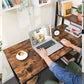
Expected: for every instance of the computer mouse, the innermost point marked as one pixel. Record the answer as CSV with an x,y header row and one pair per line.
x,y
62,41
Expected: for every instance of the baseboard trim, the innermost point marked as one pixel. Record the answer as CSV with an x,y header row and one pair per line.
x,y
7,78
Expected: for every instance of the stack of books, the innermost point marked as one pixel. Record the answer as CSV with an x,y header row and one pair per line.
x,y
68,58
64,8
9,3
74,30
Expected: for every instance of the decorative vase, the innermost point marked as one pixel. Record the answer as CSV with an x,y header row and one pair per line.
x,y
79,17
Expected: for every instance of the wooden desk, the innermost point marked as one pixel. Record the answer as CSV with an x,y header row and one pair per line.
x,y
0,77
24,70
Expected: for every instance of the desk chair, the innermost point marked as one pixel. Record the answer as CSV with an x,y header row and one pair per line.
x,y
71,67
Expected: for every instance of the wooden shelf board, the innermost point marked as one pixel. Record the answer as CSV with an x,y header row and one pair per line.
x,y
72,18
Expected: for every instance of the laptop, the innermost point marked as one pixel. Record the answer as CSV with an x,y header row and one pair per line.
x,y
42,38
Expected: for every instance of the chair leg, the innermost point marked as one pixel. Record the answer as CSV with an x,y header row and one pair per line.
x,y
51,82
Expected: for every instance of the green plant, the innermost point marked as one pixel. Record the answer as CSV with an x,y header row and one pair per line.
x,y
0,45
79,9
24,4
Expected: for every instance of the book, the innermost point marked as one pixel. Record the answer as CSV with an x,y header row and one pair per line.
x,y
8,4
66,8
44,1
74,30
66,59
4,3
17,2
13,2
59,7
3,6
69,58
40,1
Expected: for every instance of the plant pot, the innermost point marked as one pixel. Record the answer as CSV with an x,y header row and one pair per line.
x,y
79,17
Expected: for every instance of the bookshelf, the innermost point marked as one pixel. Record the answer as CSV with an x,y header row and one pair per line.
x,y
8,5
72,18
40,3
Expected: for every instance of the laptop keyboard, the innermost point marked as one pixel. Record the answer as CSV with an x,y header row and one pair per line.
x,y
46,45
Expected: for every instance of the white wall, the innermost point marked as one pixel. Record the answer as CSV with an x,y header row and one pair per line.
x,y
0,21
13,34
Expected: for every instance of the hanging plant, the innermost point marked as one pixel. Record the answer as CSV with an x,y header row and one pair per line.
x,y
24,4
0,45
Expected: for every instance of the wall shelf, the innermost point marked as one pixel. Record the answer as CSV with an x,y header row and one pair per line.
x,y
72,18
12,8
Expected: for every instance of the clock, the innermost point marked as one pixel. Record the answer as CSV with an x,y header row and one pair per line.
x,y
56,32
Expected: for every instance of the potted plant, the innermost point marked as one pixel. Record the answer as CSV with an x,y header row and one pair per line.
x,y
79,10
24,4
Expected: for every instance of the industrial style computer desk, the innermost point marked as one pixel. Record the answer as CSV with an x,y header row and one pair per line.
x,y
34,64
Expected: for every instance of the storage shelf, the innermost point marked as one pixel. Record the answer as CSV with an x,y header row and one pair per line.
x,y
8,9
72,18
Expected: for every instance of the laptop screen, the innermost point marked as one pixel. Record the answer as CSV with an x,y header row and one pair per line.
x,y
40,35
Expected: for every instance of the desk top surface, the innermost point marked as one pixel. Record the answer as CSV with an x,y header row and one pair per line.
x,y
31,66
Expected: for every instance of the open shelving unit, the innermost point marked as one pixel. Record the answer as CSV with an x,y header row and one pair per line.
x,y
73,18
